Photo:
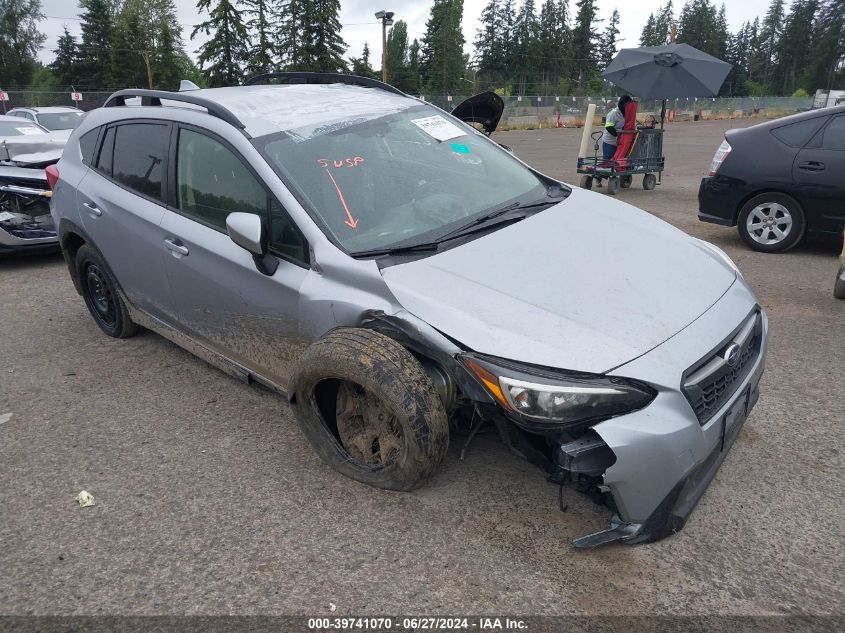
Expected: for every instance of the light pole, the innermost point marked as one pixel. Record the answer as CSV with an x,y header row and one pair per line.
x,y
386,18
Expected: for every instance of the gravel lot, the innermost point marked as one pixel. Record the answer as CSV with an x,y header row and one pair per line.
x,y
210,501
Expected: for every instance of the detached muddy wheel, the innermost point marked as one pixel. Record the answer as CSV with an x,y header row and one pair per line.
x,y
100,293
369,409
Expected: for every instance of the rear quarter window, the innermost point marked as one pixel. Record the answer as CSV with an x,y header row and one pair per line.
x,y
140,150
797,134
87,145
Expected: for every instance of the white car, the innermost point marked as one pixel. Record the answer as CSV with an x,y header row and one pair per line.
x,y
59,119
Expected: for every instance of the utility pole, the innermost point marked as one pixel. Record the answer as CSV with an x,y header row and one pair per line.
x,y
386,18
146,55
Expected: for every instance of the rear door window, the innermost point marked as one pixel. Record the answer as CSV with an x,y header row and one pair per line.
x,y
797,134
140,151
834,134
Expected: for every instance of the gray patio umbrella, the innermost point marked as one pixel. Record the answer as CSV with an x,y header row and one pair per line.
x,y
667,72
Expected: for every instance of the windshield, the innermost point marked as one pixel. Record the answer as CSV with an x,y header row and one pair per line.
x,y
406,177
60,120
19,128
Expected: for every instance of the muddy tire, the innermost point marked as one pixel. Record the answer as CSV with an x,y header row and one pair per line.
x,y
369,409
99,290
839,284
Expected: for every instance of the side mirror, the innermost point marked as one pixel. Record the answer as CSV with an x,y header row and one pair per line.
x,y
247,231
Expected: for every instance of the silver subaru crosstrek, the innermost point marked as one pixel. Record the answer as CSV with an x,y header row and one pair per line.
x,y
395,274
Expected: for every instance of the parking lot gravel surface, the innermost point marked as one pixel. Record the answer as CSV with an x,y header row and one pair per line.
x,y
210,501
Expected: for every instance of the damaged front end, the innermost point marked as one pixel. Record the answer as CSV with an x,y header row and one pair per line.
x,y
647,451
25,221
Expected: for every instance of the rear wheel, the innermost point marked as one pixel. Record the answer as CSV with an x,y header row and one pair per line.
x,y
586,182
100,293
839,285
649,182
369,409
771,223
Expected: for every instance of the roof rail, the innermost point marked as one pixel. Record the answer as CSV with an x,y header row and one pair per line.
x,y
154,97
320,78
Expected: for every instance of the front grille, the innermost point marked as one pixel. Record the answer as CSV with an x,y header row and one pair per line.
x,y
712,381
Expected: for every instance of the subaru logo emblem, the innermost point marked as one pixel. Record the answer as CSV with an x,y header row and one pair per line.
x,y
732,354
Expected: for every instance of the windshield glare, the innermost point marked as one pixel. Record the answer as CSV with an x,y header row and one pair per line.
x,y
60,120
398,179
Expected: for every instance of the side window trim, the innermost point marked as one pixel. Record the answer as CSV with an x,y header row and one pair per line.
x,y
172,193
165,170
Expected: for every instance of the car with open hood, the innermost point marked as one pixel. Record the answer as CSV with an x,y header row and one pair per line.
x,y
395,274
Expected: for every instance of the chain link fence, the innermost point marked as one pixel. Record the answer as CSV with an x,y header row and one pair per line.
x,y
527,112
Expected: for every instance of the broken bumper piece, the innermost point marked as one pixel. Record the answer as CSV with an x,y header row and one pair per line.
x,y
658,462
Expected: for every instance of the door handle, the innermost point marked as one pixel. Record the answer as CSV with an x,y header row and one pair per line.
x,y
93,209
176,247
811,165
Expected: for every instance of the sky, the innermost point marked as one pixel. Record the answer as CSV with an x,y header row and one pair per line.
x,y
360,25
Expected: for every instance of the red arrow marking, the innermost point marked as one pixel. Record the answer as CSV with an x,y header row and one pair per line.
x,y
350,221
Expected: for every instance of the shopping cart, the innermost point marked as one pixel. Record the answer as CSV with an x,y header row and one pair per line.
x,y
645,157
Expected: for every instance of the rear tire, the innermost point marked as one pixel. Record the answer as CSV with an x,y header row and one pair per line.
x,y
649,182
839,284
99,290
771,223
586,182
369,409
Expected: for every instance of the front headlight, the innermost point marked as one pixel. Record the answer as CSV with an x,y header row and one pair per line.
x,y
552,400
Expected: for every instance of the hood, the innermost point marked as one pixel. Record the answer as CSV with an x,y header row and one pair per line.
x,y
33,148
485,108
586,285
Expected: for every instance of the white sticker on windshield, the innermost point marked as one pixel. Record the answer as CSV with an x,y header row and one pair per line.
x,y
29,130
438,127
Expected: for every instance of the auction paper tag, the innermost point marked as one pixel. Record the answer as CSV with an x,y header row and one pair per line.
x,y
438,127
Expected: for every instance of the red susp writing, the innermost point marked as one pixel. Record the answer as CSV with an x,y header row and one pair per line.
x,y
325,163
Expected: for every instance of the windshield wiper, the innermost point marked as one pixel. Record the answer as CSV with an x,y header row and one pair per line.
x,y
398,250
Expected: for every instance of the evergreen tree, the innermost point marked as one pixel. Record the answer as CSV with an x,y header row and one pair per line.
x,y
398,73
764,60
442,62
361,65
583,42
507,41
554,41
20,40
489,44
648,37
414,57
607,48
222,57
527,51
291,43
700,26
66,65
147,29
795,47
262,25
665,24
826,68
95,48
324,47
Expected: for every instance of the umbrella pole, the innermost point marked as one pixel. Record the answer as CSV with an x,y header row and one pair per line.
x,y
662,120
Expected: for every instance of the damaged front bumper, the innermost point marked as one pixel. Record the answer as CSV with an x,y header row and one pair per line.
x,y
25,221
657,463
